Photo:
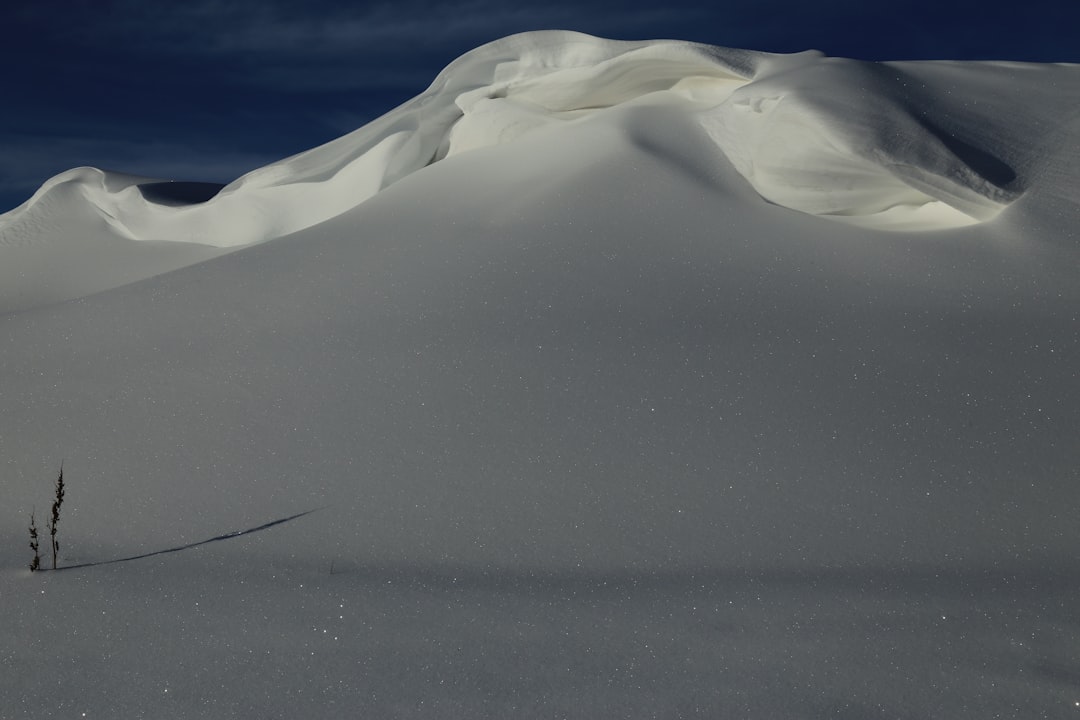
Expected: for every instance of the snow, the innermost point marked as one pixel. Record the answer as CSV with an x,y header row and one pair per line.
x,y
603,378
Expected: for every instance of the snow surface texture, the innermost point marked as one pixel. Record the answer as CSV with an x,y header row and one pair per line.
x,y
599,410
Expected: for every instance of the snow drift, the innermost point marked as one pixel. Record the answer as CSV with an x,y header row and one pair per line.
x,y
551,281
618,324
864,143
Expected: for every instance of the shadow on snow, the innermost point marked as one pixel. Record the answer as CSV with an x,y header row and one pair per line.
x,y
226,536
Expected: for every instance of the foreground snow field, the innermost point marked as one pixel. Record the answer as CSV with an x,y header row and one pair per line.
x,y
602,379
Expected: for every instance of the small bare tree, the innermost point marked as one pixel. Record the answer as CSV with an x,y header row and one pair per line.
x,y
35,564
57,502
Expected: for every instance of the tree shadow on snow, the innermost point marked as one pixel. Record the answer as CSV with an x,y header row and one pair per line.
x,y
226,536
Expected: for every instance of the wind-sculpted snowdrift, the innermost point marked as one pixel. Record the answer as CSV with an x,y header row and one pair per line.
x,y
552,279
602,413
871,143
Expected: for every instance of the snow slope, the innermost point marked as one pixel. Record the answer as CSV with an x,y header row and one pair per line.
x,y
619,379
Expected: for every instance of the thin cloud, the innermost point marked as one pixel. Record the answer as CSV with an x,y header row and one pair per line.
x,y
401,48
412,29
249,31
245,30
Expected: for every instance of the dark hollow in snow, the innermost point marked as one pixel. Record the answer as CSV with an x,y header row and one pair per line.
x,y
175,194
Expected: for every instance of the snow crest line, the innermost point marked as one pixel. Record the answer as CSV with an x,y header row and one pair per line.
x,y
226,536
856,142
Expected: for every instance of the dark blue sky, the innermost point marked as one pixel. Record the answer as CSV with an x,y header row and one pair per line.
x,y
209,89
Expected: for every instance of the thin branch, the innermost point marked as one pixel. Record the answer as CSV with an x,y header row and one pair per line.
x,y
35,564
56,514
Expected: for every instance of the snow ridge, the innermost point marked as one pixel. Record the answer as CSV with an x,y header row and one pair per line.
x,y
825,136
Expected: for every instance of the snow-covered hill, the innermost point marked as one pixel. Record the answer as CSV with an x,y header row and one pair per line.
x,y
645,341
900,146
